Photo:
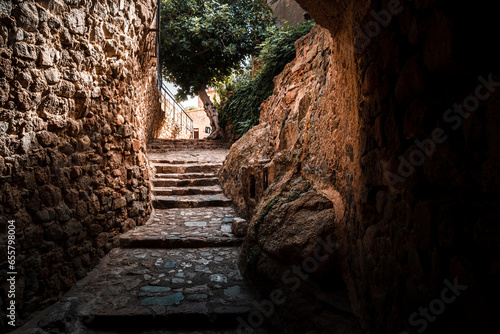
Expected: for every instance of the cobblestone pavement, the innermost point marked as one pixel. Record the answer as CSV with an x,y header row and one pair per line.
x,y
176,274
178,268
196,227
154,286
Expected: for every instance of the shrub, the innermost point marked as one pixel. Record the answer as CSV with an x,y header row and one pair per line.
x,y
241,110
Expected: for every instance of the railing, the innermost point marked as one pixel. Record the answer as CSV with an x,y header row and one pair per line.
x,y
175,113
171,109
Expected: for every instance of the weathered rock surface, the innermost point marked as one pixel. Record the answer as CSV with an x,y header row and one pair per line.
x,y
68,69
63,315
344,117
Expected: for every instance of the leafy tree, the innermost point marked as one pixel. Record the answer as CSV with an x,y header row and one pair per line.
x,y
242,109
203,41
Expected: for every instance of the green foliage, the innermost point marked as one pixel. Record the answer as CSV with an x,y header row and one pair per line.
x,y
203,41
228,85
296,194
272,202
265,210
242,109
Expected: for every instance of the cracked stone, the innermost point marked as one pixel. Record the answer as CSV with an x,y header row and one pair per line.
x,y
218,278
169,265
173,299
155,289
232,291
195,224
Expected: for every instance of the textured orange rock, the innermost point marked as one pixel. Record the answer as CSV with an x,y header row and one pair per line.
x,y
351,110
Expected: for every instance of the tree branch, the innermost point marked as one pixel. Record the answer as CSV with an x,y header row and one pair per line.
x,y
202,52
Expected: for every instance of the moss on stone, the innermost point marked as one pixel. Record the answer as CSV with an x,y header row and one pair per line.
x,y
296,194
265,210
271,203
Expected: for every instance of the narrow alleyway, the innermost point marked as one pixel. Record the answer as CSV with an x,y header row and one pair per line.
x,y
177,272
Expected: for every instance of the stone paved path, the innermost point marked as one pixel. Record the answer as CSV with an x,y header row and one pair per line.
x,y
178,227
186,287
178,273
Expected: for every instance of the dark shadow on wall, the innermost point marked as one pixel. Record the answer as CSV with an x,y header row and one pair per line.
x,y
401,135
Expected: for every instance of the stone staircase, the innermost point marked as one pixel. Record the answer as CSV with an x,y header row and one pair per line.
x,y
187,183
178,273
169,145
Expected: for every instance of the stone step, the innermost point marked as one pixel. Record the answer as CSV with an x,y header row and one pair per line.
x,y
202,156
185,176
173,161
166,242
156,331
197,146
167,289
197,227
210,181
188,168
168,191
193,201
193,142
187,141
187,146
176,149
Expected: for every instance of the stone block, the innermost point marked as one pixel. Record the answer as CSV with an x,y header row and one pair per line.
x,y
52,75
33,236
63,315
119,203
63,213
127,225
53,232
94,230
136,145
44,216
76,21
6,7
47,56
84,143
24,50
52,105
239,227
26,15
125,130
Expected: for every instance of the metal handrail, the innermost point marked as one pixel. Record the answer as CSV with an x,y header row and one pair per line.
x,y
165,90
169,105
165,93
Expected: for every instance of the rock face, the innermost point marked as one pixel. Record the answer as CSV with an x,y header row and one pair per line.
x,y
381,143
77,104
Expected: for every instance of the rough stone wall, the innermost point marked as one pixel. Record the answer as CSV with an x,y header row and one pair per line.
x,y
78,101
346,123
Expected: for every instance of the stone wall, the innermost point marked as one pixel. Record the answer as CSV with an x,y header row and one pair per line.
x,y
381,139
78,101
